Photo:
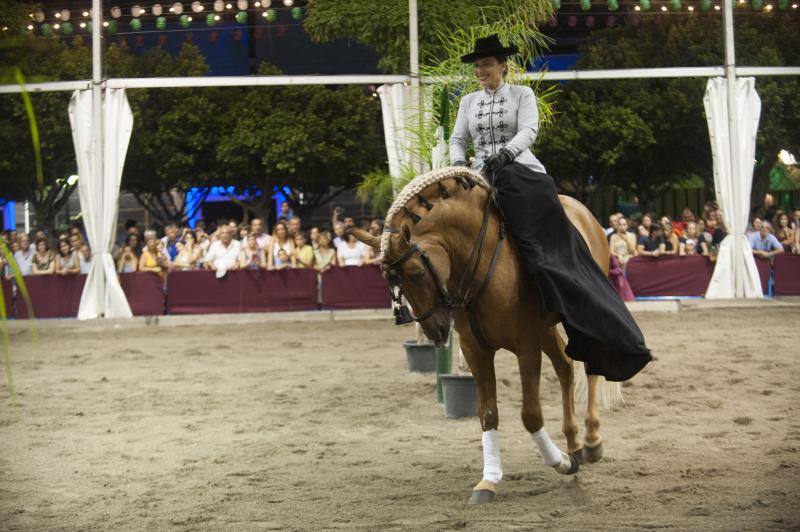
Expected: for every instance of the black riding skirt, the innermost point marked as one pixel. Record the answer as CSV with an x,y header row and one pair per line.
x,y
601,331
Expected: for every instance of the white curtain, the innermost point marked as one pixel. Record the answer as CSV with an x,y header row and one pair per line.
x,y
735,274
100,217
398,121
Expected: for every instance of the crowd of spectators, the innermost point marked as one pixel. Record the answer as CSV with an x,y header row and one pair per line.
x,y
228,246
650,236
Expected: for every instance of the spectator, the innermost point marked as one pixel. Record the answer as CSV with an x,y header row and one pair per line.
x,y
612,225
699,244
233,226
152,259
223,255
135,244
252,255
128,261
85,258
280,241
171,240
43,262
313,236
131,227
623,243
764,243
324,256
304,252
283,260
294,227
351,252
25,254
687,215
148,234
188,253
702,234
654,244
349,222
754,227
719,233
286,212
75,241
689,247
67,260
796,240
376,228
783,231
244,231
647,222
203,240
672,244
338,232
257,229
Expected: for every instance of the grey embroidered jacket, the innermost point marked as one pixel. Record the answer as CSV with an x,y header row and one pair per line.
x,y
506,117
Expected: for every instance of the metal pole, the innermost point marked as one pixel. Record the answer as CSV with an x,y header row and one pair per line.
x,y
416,96
733,139
97,147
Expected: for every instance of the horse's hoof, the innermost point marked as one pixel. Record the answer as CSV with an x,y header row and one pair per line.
x,y
568,465
578,456
592,454
481,497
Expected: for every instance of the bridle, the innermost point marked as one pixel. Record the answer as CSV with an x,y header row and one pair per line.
x,y
443,298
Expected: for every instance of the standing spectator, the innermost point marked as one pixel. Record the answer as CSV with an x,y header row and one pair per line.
x,y
280,241
719,233
754,227
783,231
652,245
131,227
623,243
75,241
703,235
324,256
257,230
152,259
66,260
612,225
244,231
43,262
135,244
171,240
376,228
188,253
672,244
203,240
351,252
294,227
764,243
699,244
647,222
223,255
128,261
286,211
85,258
304,252
25,254
252,256
349,222
313,236
338,232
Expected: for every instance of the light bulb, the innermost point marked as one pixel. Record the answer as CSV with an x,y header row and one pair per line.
x,y
663,8
717,8
105,24
82,24
56,26
85,13
217,17
57,15
257,4
637,8
30,27
228,6
264,14
691,8
288,3
768,7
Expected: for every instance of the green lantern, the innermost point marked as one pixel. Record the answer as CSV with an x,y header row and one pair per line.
x,y
556,4
67,28
757,5
645,5
297,13
272,15
783,5
185,21
47,29
613,5
161,23
113,26
705,5
586,5
241,17
136,24
675,5
211,19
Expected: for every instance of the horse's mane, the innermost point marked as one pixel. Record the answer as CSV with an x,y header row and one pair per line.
x,y
417,185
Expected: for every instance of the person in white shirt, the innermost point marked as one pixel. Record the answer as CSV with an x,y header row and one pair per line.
x,y
223,254
24,256
85,258
351,252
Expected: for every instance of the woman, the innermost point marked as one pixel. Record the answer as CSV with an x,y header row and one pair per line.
x,y
698,241
67,260
280,241
324,256
152,259
188,253
623,243
128,261
502,121
351,252
313,236
672,244
252,257
652,245
44,260
783,231
304,253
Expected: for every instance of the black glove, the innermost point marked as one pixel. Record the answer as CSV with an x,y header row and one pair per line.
x,y
497,162
460,162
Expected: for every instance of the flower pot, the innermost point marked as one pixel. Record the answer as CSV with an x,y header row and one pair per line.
x,y
421,357
460,395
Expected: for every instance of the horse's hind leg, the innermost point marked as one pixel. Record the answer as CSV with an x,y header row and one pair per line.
x,y
593,448
553,346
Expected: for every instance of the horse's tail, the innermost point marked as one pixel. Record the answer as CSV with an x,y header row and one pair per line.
x,y
609,394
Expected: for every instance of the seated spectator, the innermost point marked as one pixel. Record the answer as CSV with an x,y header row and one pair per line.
x,y
623,243
338,232
67,260
257,229
324,255
672,244
223,255
313,237
43,262
764,243
351,252
85,258
152,259
252,257
128,261
188,253
283,260
783,231
24,255
280,241
653,245
303,251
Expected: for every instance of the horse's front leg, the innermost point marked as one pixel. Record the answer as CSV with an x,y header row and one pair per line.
x,y
481,363
530,366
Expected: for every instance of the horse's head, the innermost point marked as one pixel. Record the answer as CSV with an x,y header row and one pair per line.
x,y
421,269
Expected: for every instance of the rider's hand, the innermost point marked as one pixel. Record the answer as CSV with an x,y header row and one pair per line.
x,y
497,162
460,162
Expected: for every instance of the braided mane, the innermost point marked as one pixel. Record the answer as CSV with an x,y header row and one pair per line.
x,y
417,185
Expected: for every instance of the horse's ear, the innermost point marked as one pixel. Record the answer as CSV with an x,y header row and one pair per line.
x,y
365,237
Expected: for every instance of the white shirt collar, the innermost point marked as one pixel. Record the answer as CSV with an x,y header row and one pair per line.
x,y
502,84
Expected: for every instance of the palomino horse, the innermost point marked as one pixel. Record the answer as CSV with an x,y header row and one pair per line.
x,y
434,238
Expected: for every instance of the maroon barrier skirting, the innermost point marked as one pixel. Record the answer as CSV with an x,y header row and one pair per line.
x,y
7,294
52,296
787,275
145,293
669,275
764,266
355,287
199,292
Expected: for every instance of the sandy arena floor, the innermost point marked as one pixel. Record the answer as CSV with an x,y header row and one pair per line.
x,y
311,426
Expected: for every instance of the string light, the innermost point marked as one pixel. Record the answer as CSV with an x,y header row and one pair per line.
x,y
105,23
288,3
228,6
637,8
257,4
56,26
5,28
663,8
717,8
768,7
264,14
57,14
85,13
82,24
30,27
691,8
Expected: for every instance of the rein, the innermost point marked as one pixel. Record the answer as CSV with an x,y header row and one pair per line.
x,y
467,301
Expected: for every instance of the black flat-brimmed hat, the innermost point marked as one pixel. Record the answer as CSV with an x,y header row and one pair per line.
x,y
488,47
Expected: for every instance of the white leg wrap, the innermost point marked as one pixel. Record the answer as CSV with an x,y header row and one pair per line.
x,y
551,455
492,467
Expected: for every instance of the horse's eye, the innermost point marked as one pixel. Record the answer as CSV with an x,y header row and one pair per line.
x,y
418,274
